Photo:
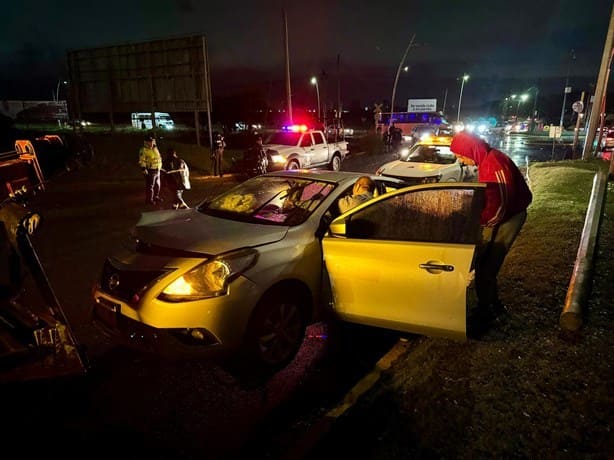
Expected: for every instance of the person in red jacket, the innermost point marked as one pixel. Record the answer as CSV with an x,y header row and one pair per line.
x,y
505,211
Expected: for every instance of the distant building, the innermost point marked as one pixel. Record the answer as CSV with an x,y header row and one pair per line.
x,y
34,110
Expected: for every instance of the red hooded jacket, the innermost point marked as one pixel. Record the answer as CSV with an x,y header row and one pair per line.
x,y
507,192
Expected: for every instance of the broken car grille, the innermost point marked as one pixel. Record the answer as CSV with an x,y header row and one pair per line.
x,y
123,283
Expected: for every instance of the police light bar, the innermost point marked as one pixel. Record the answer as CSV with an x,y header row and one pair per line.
x,y
296,128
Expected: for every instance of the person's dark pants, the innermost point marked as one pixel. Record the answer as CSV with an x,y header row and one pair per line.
x,y
217,163
152,186
496,242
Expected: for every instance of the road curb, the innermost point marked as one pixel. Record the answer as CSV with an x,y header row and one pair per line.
x,y
320,428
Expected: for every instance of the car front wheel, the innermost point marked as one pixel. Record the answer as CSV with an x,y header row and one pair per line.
x,y
276,330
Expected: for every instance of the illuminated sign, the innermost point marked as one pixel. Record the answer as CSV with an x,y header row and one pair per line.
x,y
422,105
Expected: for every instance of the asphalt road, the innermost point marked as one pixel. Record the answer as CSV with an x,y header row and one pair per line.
x,y
139,405
142,407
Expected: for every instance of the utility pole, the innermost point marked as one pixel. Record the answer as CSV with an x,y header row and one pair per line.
x,y
287,54
572,56
338,127
600,92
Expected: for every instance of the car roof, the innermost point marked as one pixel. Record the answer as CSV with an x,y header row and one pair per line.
x,y
324,174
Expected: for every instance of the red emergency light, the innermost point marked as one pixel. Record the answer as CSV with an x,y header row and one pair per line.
x,y
296,128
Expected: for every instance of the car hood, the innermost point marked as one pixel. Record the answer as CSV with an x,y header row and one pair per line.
x,y
191,231
413,169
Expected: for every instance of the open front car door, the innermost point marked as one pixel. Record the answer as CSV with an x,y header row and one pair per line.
x,y
405,259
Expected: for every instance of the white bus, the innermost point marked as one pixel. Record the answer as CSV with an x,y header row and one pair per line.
x,y
142,120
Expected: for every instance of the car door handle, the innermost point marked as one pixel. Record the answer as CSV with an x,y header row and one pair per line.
x,y
444,267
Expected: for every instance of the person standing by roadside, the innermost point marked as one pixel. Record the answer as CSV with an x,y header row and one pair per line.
x,y
505,211
396,136
256,161
150,162
176,177
218,154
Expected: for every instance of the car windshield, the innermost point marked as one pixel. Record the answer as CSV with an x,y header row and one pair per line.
x,y
270,200
439,154
284,138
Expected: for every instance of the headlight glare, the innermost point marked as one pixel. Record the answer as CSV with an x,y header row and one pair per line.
x,y
210,278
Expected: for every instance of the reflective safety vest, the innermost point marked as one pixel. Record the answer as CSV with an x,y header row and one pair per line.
x,y
150,158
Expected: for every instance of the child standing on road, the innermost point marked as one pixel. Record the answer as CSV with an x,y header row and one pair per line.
x,y
176,177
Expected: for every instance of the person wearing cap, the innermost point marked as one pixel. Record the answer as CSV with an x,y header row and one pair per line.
x,y
218,154
150,162
505,210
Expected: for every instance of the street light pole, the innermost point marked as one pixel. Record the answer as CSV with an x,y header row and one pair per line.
x,y
521,98
460,96
572,56
56,97
314,81
396,79
534,113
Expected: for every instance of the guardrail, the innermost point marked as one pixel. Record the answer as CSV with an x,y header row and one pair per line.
x,y
580,283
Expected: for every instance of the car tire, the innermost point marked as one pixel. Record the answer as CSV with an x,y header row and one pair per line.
x,y
276,330
293,164
335,163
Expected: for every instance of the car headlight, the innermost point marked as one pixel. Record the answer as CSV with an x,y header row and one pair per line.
x,y
210,278
404,153
276,157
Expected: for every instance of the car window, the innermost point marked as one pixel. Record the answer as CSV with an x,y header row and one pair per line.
x,y
441,215
318,138
284,138
306,140
385,186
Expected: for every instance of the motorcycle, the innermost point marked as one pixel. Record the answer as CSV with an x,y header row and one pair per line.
x,y
36,339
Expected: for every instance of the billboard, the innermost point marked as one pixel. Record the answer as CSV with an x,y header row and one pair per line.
x,y
168,75
422,105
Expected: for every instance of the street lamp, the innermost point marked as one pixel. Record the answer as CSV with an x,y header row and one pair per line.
x,y
521,98
460,97
536,89
314,81
396,78
56,97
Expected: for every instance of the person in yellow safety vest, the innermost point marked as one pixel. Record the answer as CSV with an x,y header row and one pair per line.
x,y
150,162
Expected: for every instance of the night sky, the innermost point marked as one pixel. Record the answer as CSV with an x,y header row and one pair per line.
x,y
506,46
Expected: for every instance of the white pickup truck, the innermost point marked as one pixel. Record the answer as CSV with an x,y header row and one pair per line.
x,y
303,149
